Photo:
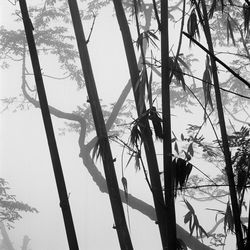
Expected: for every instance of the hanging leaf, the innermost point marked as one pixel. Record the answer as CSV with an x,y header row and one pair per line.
x,y
228,219
192,25
98,149
182,137
187,155
125,187
156,120
176,147
135,135
246,16
139,41
182,171
177,71
141,91
193,221
150,89
187,217
230,32
137,161
206,82
190,149
241,179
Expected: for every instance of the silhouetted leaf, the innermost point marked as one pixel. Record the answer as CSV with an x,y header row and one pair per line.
x,y
230,32
125,186
190,149
206,82
98,149
246,15
141,91
188,156
156,120
135,135
176,147
193,221
150,89
228,219
182,137
182,171
192,25
187,217
241,179
137,162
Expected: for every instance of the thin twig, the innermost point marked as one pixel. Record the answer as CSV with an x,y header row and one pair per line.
x,y
92,27
217,59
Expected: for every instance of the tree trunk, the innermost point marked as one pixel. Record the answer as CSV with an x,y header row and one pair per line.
x,y
103,141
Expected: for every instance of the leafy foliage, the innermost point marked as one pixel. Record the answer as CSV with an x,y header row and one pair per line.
x,y
10,208
206,82
192,25
193,222
182,171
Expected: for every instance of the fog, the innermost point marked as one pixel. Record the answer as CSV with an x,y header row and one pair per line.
x,y
26,164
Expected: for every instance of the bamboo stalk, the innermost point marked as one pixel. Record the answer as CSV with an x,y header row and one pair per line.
x,y
61,187
108,162
166,117
226,151
146,132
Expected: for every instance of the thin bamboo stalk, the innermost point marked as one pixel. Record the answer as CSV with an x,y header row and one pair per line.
x,y
226,151
166,117
108,162
61,187
146,132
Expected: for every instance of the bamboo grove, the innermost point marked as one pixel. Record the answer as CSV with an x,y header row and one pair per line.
x,y
158,73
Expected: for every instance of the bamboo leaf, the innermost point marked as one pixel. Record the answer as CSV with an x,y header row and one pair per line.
x,y
230,32
150,89
190,149
192,25
125,186
187,217
156,120
98,149
141,91
176,147
137,162
206,82
246,15
135,135
182,137
189,206
228,219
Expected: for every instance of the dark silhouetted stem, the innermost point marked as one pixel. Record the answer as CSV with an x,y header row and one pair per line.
x,y
108,163
146,132
226,151
166,117
61,187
